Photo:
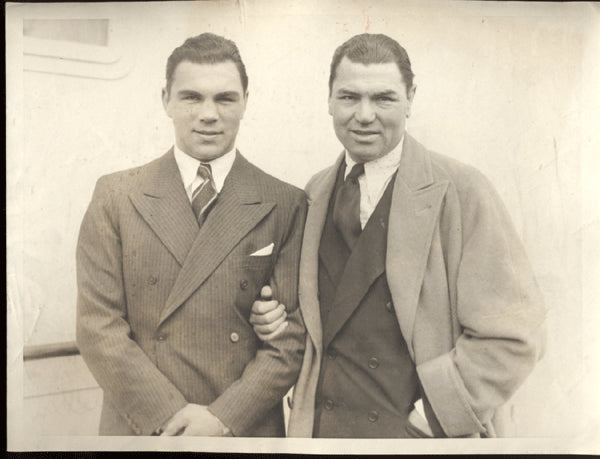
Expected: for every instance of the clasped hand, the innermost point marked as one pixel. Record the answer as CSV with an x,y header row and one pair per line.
x,y
267,316
195,420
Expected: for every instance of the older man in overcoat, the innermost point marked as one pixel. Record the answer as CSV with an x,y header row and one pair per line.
x,y
422,311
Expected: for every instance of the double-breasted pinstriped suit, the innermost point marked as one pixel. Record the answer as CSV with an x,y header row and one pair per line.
x,y
163,305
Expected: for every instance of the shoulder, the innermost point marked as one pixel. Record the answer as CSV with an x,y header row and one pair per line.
x,y
273,188
317,180
469,194
466,180
468,190
127,180
120,181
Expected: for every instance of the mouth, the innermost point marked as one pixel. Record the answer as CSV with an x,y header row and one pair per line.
x,y
364,134
206,133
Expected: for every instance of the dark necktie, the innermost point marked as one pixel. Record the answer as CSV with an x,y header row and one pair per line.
x,y
346,209
205,194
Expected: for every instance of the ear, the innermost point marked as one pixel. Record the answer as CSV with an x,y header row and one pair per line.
x,y
165,99
245,103
411,93
330,104
410,96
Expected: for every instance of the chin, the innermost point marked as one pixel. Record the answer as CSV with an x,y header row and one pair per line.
x,y
208,155
364,156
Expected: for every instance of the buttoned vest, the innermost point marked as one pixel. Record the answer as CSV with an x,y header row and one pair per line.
x,y
368,382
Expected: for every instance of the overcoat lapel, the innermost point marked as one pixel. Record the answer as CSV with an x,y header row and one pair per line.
x,y
318,200
164,205
237,210
416,203
332,248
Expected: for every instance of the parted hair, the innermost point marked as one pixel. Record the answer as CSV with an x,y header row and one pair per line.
x,y
373,49
206,48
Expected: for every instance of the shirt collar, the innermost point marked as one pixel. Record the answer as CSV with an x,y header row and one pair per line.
x,y
188,167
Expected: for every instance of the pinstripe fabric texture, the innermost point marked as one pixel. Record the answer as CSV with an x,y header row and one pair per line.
x,y
163,306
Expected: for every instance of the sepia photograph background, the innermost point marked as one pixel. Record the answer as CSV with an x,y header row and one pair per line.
x,y
512,89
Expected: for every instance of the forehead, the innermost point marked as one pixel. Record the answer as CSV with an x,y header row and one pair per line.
x,y
222,76
368,77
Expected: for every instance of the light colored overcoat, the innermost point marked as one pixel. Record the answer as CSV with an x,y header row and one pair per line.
x,y
163,306
464,294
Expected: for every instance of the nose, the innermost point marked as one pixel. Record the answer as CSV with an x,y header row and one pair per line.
x,y
207,112
364,112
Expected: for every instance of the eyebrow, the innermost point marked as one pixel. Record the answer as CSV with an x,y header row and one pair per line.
x,y
191,92
188,92
390,92
346,92
229,94
386,93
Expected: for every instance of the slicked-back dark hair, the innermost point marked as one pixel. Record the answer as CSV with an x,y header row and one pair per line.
x,y
369,48
206,48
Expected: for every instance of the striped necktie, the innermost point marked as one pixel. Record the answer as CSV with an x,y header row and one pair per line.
x,y
205,194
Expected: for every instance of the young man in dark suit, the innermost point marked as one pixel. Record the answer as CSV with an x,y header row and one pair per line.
x,y
171,256
422,312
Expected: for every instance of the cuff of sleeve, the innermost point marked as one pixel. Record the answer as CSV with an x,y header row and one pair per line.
x,y
151,424
226,429
227,415
240,413
448,397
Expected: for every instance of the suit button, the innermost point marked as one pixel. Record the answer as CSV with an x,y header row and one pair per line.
x,y
243,284
329,405
373,416
162,337
373,362
389,306
234,337
331,354
152,280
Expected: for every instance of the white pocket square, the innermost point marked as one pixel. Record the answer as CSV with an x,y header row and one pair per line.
x,y
268,250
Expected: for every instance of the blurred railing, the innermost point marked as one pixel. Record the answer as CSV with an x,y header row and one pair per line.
x,y
45,351
60,395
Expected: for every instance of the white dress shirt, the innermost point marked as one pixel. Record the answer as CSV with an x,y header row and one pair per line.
x,y
373,182
188,168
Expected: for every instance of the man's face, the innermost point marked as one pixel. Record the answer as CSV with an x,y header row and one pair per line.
x,y
369,106
206,103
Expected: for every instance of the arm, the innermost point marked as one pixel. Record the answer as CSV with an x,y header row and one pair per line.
x,y
131,382
501,313
268,377
267,315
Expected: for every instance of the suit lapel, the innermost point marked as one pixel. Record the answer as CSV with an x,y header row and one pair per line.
x,y
164,205
331,252
237,210
318,200
365,264
416,203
